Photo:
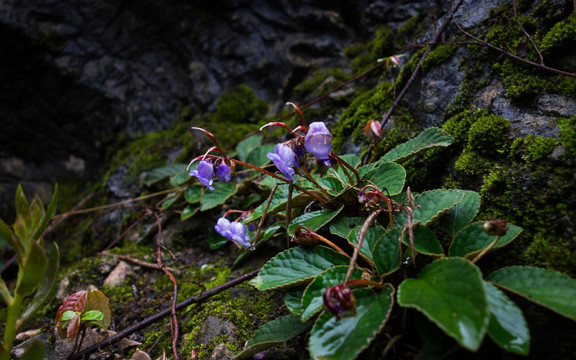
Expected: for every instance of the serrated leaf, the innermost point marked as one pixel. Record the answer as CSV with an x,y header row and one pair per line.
x,y
155,175
296,266
460,215
343,226
273,333
258,155
372,235
222,192
277,204
345,338
430,205
247,145
551,289
507,326
389,176
179,179
428,138
313,220
45,286
386,252
472,239
451,293
293,300
193,194
340,173
425,242
312,299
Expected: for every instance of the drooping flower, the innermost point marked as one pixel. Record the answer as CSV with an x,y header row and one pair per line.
x,y
339,300
223,172
318,141
284,159
233,231
204,173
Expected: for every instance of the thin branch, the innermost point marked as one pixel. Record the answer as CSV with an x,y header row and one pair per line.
x,y
526,33
152,319
515,57
141,262
361,237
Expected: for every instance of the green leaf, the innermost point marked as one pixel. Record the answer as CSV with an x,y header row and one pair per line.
x,y
156,175
471,240
188,212
32,271
343,226
222,192
293,300
296,266
216,241
22,207
425,242
551,289
461,214
258,155
430,205
313,220
179,179
345,338
45,286
170,199
372,235
247,145
273,333
389,176
507,326
277,204
340,174
193,194
430,137
386,252
92,315
35,351
68,315
451,293
312,299
7,235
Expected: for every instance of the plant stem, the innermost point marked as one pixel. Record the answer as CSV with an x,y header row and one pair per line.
x,y
289,211
12,314
363,230
344,163
486,249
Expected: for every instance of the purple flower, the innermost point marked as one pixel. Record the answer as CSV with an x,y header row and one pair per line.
x,y
318,141
234,231
223,172
284,159
204,173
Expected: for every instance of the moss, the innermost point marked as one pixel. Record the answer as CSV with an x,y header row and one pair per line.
x,y
366,106
459,125
366,55
533,149
488,136
410,29
561,35
439,55
473,164
240,105
568,135
327,77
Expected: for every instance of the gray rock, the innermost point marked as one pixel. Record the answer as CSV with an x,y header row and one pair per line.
x,y
221,352
213,327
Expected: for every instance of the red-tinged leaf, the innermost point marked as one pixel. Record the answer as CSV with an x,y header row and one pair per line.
x,y
75,302
73,327
98,301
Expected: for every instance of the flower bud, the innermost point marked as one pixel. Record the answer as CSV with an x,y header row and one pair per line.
x,y
223,172
318,141
339,300
495,227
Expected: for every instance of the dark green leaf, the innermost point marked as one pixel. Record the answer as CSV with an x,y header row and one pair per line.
x,y
216,241
188,212
258,155
35,351
471,240
312,301
551,289
372,235
345,338
313,220
277,204
461,214
164,172
430,205
296,266
386,252
451,293
387,176
342,226
222,192
507,325
425,242
7,235
179,179
247,145
170,199
273,333
430,137
340,173
293,299
193,194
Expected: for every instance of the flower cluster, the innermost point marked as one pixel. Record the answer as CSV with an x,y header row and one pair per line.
x,y
317,142
233,231
205,173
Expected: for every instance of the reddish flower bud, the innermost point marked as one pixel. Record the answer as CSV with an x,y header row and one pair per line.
x,y
339,300
495,227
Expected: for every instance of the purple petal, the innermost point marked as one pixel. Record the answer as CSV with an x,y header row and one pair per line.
x,y
223,172
318,141
204,173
